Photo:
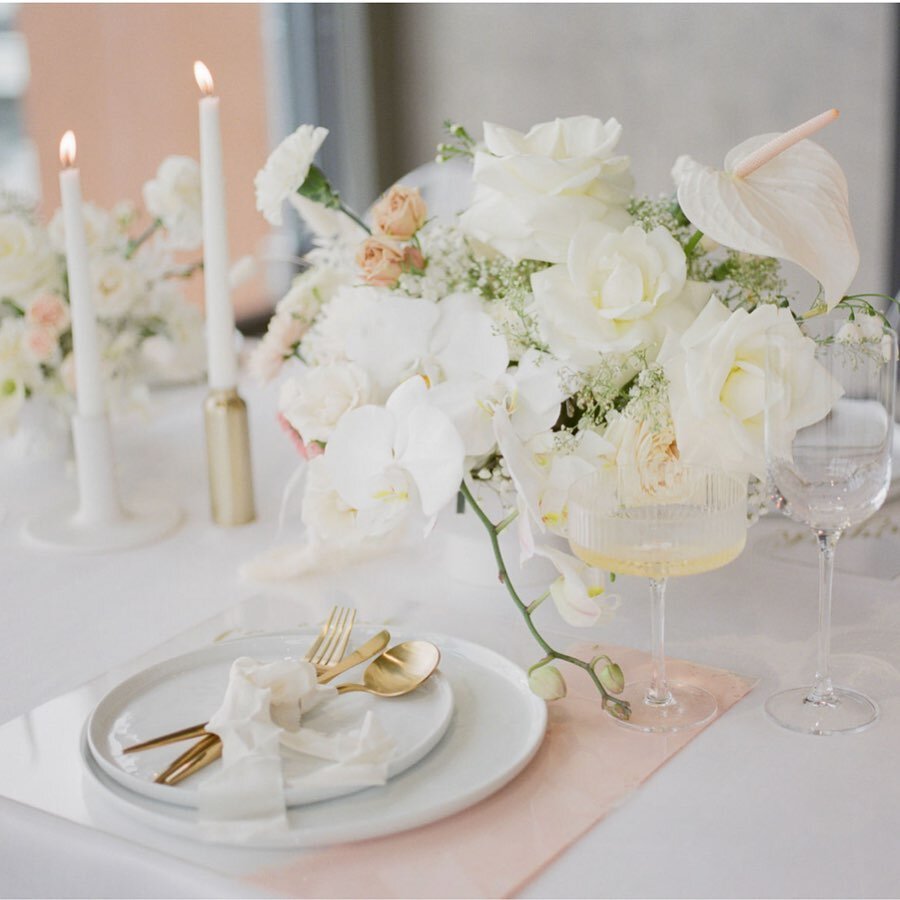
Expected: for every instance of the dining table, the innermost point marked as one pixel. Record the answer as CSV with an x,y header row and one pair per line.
x,y
744,809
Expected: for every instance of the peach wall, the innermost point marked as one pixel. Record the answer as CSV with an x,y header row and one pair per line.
x,y
121,76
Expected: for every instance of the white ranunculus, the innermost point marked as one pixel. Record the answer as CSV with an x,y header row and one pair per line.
x,y
173,197
717,384
314,401
27,261
286,170
794,207
533,190
119,284
580,593
617,291
388,462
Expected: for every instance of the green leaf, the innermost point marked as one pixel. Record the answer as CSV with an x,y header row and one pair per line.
x,y
318,189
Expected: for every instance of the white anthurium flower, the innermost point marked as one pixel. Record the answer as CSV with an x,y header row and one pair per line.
x,y
794,207
533,190
385,461
314,401
616,292
389,337
286,170
173,197
580,593
717,375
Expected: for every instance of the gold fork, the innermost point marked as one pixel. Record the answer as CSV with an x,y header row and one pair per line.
x,y
327,649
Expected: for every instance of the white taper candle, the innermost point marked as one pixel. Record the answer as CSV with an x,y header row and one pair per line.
x,y
222,361
88,374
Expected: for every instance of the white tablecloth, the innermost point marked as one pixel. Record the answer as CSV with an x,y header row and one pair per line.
x,y
746,810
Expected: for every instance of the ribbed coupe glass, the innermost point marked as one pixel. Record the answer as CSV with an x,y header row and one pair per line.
x,y
680,520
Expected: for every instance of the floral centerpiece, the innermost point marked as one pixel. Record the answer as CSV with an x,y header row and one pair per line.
x,y
148,330
561,323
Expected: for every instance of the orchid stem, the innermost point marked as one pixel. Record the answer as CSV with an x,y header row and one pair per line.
x,y
617,707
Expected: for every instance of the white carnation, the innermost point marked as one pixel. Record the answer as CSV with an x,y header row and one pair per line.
x,y
286,170
174,198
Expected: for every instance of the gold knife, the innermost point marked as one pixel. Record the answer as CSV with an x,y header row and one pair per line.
x,y
370,648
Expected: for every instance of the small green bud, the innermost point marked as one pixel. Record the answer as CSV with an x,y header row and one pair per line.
x,y
547,682
619,711
612,679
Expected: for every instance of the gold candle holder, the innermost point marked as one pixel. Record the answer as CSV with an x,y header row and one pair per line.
x,y
228,458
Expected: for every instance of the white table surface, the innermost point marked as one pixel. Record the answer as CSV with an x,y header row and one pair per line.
x,y
747,809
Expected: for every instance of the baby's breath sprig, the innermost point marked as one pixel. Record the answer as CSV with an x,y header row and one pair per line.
x,y
461,143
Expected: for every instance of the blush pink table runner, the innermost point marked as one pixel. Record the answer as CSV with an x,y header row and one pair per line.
x,y
586,767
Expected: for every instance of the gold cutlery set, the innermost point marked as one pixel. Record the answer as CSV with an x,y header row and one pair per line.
x,y
392,673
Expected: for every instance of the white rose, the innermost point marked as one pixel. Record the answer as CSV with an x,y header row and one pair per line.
x,y
717,384
27,261
286,170
533,190
650,452
173,197
314,401
616,292
119,284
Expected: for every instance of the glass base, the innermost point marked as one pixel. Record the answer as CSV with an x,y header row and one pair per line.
x,y
850,711
688,707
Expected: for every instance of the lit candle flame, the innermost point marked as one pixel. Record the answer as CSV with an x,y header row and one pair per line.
x,y
204,78
67,150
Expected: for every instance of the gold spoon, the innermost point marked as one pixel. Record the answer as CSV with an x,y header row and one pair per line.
x,y
398,670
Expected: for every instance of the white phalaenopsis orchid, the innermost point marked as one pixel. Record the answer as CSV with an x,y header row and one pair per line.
x,y
794,207
386,461
580,593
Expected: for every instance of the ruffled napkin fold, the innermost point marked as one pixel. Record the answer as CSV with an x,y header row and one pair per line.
x,y
259,720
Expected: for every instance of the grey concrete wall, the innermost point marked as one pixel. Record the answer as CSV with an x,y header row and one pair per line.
x,y
682,78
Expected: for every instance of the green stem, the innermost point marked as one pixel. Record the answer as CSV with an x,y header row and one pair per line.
x,y
135,244
691,245
349,212
620,707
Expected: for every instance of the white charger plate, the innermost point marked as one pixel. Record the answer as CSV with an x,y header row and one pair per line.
x,y
187,689
496,728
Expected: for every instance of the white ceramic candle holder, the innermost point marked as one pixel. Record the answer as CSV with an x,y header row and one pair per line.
x,y
100,522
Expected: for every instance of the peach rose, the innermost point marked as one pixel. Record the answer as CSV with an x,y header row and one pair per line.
x,y
39,343
400,213
382,262
48,311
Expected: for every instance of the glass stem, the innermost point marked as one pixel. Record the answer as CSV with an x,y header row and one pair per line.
x,y
658,693
823,690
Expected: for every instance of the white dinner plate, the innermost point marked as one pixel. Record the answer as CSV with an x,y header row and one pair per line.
x,y
188,689
496,728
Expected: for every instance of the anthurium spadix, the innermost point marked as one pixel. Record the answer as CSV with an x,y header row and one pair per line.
x,y
386,461
779,195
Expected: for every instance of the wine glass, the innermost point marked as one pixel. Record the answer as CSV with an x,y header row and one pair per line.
x,y
680,520
830,475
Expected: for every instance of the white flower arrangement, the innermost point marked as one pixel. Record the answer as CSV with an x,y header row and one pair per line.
x,y
148,330
560,324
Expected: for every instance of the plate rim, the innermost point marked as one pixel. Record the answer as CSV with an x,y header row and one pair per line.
x,y
173,819
171,666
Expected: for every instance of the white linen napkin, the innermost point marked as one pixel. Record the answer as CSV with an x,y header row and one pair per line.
x,y
261,714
